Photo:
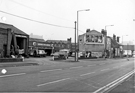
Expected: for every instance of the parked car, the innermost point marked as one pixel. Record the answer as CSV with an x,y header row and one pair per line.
x,y
39,53
42,53
60,55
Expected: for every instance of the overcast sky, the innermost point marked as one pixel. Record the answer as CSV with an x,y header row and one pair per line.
x,y
119,13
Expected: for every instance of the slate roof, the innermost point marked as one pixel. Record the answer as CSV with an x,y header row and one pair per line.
x,y
16,30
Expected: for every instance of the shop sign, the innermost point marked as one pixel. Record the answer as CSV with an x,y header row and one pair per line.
x,y
21,36
42,44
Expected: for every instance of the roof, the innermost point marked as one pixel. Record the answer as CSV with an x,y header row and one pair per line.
x,y
16,30
94,31
57,41
36,39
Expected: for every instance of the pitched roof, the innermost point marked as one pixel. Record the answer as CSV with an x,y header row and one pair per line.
x,y
16,30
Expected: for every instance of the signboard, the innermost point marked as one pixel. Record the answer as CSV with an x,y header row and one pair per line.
x,y
42,44
21,36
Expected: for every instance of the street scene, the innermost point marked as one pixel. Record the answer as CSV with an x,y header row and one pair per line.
x,y
64,46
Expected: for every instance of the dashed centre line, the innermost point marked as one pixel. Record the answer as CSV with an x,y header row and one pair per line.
x,y
75,67
50,70
87,74
53,82
105,69
12,75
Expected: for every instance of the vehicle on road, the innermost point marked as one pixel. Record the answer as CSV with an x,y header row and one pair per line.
x,y
38,53
60,55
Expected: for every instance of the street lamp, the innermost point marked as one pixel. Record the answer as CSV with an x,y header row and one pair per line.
x,y
107,26
106,38
77,31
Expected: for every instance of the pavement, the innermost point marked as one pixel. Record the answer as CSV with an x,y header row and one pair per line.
x,y
48,61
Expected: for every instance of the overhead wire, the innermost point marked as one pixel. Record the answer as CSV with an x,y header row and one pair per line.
x,y
35,20
37,10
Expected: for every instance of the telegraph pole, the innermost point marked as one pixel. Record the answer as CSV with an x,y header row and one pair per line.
x,y
75,41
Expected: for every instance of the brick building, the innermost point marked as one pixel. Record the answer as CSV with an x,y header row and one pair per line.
x,y
39,44
92,42
12,39
60,44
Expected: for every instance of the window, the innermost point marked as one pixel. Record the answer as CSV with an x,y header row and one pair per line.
x,y
94,38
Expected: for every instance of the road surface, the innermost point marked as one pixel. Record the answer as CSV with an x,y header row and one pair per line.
x,y
84,76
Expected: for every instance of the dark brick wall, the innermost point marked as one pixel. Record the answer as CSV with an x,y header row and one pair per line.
x,y
3,37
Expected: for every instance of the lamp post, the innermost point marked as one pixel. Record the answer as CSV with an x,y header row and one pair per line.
x,y
78,29
106,39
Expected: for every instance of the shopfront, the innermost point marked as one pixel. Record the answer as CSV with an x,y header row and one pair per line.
x,y
39,44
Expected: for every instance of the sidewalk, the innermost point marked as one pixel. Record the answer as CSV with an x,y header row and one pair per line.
x,y
128,86
48,60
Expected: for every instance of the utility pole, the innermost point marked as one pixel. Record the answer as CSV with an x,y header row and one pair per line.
x,y
75,41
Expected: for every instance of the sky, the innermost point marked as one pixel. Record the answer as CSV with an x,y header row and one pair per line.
x,y
55,18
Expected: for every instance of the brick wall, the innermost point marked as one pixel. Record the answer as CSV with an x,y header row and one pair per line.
x,y
3,37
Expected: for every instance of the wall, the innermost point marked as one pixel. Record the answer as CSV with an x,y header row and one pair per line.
x,y
3,40
97,48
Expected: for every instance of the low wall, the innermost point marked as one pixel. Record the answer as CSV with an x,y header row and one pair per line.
x,y
11,60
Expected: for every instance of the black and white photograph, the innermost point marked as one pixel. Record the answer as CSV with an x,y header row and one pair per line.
x,y
67,46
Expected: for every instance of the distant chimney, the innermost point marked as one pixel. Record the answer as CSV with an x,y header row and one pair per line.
x,y
118,38
114,37
103,32
88,30
69,39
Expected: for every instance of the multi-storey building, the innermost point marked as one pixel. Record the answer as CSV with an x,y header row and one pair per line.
x,y
92,42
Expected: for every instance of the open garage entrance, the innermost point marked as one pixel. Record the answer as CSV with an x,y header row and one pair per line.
x,y
48,51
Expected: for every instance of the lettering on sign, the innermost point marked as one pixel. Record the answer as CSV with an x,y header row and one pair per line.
x,y
41,44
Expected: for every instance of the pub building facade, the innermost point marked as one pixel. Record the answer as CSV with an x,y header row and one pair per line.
x,y
93,43
13,41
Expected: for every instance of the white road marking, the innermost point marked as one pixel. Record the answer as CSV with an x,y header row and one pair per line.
x,y
114,83
105,69
90,65
50,70
87,74
116,67
75,67
53,82
12,75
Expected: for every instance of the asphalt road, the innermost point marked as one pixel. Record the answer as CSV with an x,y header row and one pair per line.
x,y
84,76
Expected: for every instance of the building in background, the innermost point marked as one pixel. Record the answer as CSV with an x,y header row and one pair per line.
x,y
35,36
92,43
60,44
36,45
128,50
